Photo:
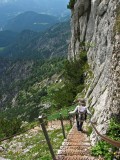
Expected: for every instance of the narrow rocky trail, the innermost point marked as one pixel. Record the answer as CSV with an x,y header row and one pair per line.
x,y
76,147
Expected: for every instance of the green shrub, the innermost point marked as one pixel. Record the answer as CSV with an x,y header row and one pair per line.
x,y
104,149
9,127
63,94
89,130
107,150
71,4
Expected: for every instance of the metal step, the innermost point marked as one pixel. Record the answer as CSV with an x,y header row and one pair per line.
x,y
75,157
76,144
70,152
76,147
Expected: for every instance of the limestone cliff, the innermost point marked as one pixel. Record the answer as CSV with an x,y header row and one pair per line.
x,y
96,23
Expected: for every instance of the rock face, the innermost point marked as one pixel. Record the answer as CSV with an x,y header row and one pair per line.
x,y
96,24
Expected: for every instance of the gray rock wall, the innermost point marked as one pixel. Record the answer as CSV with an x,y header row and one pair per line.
x,y
115,85
93,22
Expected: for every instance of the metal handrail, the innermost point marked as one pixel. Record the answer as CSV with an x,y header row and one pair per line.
x,y
105,138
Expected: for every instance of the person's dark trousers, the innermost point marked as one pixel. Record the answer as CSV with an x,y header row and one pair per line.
x,y
80,126
79,123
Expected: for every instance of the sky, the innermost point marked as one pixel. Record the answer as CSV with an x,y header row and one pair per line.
x,y
6,1
39,5
35,3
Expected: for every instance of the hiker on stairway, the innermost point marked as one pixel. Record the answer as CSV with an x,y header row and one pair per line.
x,y
81,112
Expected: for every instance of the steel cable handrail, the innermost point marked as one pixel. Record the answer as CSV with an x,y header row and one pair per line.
x,y
105,138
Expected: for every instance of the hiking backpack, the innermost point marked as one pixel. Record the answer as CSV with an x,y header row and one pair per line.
x,y
81,116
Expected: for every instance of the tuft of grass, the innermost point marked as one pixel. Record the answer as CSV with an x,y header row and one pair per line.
x,y
117,24
89,130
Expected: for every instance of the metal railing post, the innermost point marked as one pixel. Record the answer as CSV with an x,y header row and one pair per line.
x,y
63,130
47,137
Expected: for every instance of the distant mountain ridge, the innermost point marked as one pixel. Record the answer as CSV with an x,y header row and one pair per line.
x,y
32,21
9,9
33,45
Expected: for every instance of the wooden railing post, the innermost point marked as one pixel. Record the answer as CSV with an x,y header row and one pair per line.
x,y
70,119
47,137
63,130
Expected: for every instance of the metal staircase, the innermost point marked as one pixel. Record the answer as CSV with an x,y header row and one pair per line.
x,y
75,147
